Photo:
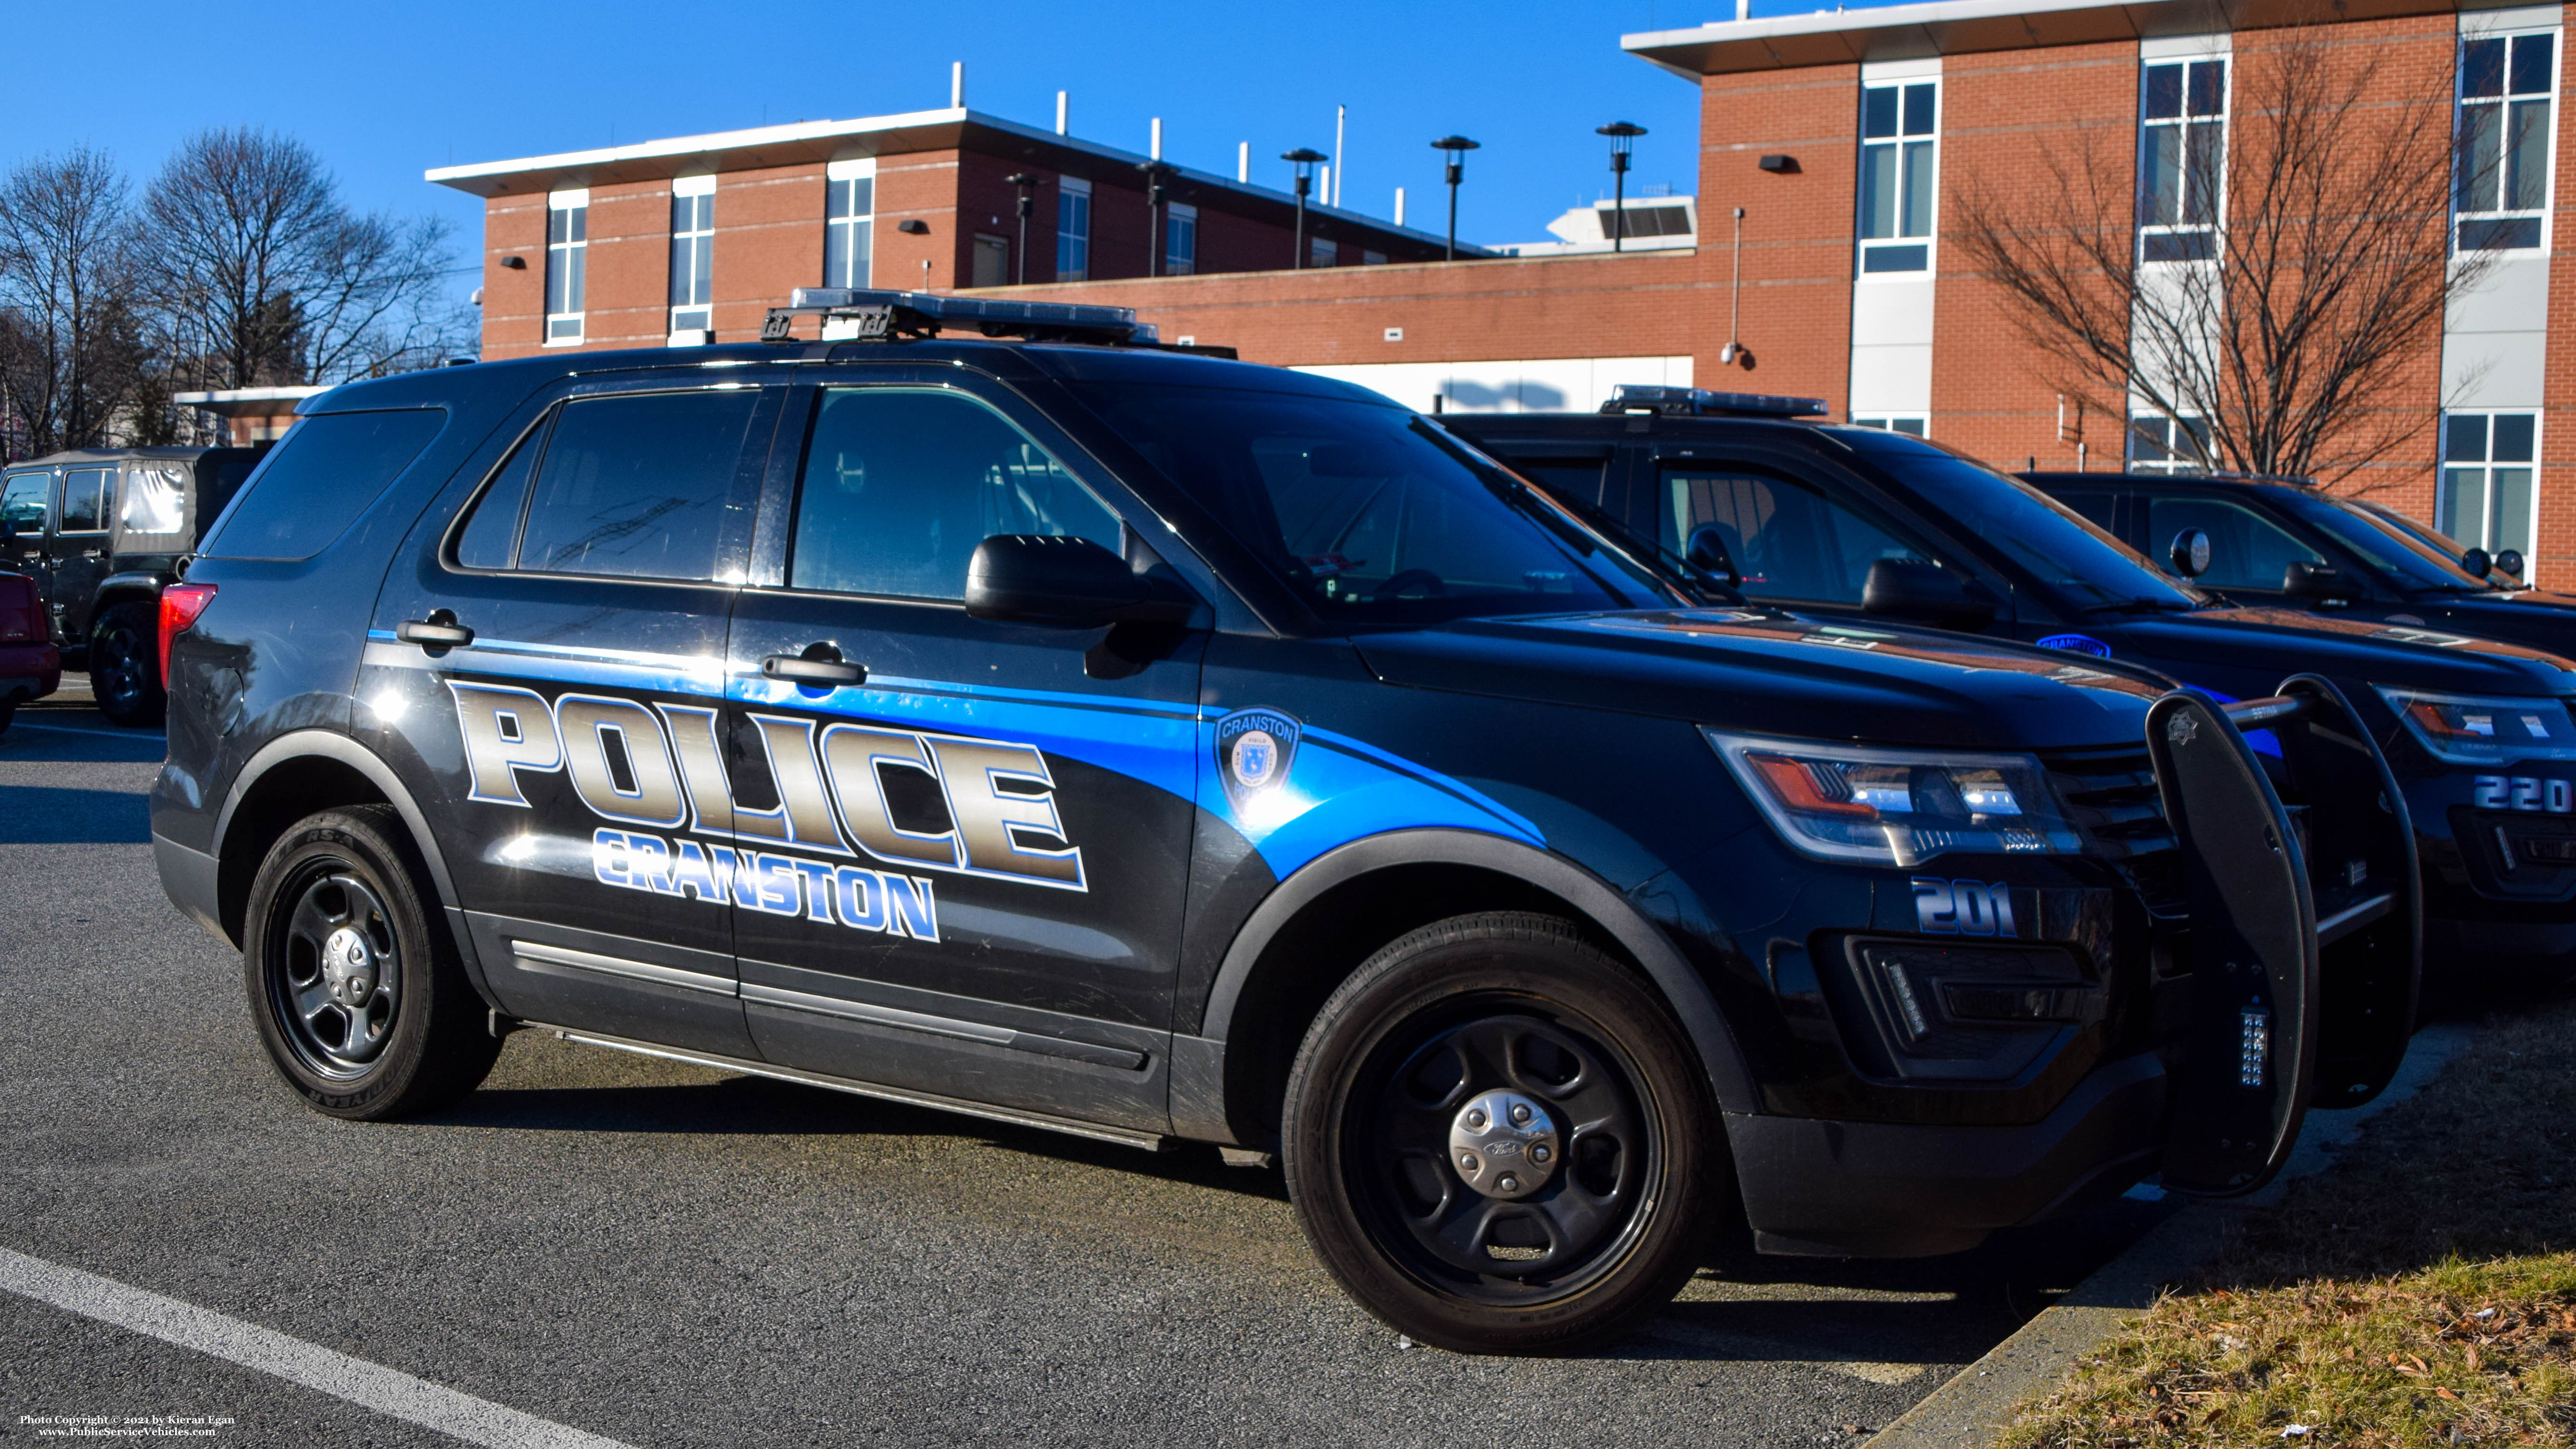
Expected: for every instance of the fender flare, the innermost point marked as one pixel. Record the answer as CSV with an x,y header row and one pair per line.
x,y
110,590
1693,1004
331,745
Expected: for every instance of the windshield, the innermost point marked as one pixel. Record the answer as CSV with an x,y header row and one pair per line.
x,y
2389,546
2062,553
1372,515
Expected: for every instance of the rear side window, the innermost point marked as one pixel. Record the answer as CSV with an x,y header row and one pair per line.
x,y
314,485
2097,506
635,487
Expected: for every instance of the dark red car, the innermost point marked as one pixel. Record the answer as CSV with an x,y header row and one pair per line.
x,y
30,666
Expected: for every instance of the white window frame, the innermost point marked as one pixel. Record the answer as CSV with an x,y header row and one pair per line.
x,y
1072,229
568,257
2460,103
2488,534
1180,239
1913,425
855,229
2185,121
2165,430
1868,247
693,247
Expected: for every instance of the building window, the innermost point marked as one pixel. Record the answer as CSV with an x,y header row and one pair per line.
x,y
849,218
1372,259
2182,160
1897,125
693,253
1180,240
2487,461
567,259
1072,229
990,263
1321,253
2503,139
2159,444
1913,427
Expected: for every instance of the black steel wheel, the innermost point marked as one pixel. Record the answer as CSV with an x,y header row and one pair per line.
x,y
1499,1141
354,984
125,665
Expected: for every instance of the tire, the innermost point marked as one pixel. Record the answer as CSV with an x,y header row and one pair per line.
x,y
1426,1034
125,665
8,712
354,982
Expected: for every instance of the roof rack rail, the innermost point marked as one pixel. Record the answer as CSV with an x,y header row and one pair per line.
x,y
858,314
1634,397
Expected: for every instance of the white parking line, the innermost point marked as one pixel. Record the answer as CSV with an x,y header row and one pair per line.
x,y
369,1385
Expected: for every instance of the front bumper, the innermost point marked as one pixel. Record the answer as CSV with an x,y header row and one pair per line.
x,y
1887,1190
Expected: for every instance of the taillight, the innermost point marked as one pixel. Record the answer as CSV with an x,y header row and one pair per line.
x,y
22,613
180,606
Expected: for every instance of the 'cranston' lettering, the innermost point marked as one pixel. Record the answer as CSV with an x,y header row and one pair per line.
x,y
777,885
663,766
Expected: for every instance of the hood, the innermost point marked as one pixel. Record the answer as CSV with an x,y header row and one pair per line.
x,y
1768,673
2372,650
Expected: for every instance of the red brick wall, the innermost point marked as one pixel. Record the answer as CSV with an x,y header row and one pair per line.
x,y
1797,230
1638,305
769,241
1993,393
514,301
2553,560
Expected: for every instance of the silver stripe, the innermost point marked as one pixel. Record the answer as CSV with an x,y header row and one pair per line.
x,y
878,1015
620,966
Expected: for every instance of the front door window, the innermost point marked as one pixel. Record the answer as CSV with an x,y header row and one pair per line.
x,y
1788,541
2246,550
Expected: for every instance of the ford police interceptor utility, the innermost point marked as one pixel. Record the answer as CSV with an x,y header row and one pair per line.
x,y
1081,733
1858,523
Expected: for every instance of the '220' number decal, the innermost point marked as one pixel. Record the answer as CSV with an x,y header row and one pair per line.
x,y
2523,792
1962,908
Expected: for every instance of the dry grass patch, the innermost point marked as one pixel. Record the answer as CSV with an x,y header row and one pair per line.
x,y
2423,1292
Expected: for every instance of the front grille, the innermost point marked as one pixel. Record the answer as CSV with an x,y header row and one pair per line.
x,y
2111,797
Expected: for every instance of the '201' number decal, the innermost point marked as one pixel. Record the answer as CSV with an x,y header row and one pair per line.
x,y
2525,793
1963,908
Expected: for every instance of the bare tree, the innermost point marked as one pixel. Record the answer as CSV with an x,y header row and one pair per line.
x,y
72,359
265,277
2295,344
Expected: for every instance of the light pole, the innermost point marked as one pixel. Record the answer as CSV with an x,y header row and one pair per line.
x,y
1155,171
1023,181
1457,147
1622,136
1304,160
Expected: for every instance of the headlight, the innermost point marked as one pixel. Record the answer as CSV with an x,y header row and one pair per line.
x,y
1897,807
2470,729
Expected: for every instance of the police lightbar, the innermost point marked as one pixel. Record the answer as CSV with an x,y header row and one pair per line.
x,y
1634,397
868,315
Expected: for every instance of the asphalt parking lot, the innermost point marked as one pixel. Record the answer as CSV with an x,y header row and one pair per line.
x,y
664,1255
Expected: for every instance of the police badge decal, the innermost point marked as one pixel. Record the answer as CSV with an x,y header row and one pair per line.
x,y
1254,748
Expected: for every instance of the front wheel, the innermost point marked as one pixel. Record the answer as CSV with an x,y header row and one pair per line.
x,y
1499,1141
125,665
354,982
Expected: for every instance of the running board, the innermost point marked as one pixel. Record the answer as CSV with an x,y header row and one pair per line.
x,y
2353,917
1098,1132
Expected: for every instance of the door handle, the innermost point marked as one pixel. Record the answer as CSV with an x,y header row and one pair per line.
x,y
439,631
820,664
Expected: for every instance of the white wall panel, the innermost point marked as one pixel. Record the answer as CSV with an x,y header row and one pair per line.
x,y
1547,384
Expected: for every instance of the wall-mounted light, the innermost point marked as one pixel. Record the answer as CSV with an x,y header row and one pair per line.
x,y
1779,163
515,264
913,226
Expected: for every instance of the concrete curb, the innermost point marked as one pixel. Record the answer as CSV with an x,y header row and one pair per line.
x,y
1971,1410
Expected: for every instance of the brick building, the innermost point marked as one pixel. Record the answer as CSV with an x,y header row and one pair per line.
x,y
1834,147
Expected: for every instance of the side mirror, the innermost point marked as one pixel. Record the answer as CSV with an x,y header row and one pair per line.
x,y
1707,553
1926,593
2477,561
1069,583
2322,582
2189,554
2510,560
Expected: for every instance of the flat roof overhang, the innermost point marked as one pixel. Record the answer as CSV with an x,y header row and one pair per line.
x,y
1960,27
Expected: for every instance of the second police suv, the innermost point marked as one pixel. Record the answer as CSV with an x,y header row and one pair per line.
x,y
1086,734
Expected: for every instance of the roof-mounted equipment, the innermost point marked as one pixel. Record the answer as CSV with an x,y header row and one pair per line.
x,y
853,314
1688,402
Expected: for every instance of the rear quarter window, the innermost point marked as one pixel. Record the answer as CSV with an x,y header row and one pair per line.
x,y
316,483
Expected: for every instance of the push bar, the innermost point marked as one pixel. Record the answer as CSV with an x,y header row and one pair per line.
x,y
2254,714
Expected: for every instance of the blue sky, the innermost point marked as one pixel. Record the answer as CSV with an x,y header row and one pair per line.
x,y
383,92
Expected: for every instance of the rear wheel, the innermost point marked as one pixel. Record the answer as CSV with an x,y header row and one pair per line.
x,y
1499,1141
125,664
353,981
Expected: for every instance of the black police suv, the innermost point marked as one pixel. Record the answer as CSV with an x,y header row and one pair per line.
x,y
1067,730
2293,545
1858,523
101,531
